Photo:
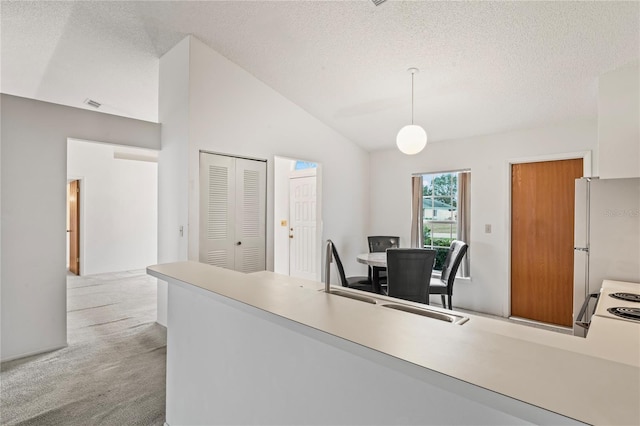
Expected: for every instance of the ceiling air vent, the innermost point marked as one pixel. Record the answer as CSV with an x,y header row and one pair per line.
x,y
378,2
92,103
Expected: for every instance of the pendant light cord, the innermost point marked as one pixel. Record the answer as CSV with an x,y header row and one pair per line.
x,y
412,74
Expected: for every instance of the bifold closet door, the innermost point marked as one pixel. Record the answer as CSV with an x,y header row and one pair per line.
x,y
250,215
233,212
217,207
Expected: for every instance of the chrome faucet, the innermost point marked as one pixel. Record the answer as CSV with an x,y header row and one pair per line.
x,y
327,266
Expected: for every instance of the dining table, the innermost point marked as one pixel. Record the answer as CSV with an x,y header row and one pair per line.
x,y
378,262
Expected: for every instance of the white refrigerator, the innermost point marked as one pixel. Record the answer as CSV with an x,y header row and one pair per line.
x,y
606,240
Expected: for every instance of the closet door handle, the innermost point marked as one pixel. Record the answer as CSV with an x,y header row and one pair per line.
x,y
239,243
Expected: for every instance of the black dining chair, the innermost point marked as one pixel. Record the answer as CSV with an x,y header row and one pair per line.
x,y
408,273
380,243
358,283
443,285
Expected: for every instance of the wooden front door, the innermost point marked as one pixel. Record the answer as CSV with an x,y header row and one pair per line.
x,y
542,215
74,226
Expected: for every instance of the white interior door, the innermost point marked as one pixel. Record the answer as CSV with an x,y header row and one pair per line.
x,y
302,228
250,218
217,209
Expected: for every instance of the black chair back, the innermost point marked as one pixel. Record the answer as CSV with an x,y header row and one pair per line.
x,y
409,272
380,243
456,252
336,257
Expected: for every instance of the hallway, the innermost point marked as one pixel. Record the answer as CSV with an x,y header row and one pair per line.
x,y
112,372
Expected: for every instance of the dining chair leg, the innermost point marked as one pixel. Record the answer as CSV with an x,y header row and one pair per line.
x,y
450,305
376,280
444,305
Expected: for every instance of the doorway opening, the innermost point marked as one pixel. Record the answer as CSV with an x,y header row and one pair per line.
x,y
73,226
298,218
112,207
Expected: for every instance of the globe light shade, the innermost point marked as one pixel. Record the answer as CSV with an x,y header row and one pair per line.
x,y
411,139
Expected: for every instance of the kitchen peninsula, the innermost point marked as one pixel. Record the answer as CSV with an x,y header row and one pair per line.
x,y
268,349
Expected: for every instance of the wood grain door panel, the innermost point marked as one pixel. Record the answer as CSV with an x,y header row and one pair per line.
x,y
74,227
542,216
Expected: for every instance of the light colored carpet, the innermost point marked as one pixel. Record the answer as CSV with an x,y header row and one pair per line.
x,y
112,372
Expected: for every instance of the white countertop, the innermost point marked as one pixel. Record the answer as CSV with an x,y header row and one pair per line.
x,y
620,286
585,379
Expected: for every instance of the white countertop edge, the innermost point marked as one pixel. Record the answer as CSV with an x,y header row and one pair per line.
x,y
488,397
600,343
566,397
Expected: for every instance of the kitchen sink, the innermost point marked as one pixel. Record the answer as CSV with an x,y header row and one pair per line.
x,y
354,296
386,303
455,319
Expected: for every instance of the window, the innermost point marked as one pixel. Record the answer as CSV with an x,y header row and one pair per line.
x,y
445,213
301,165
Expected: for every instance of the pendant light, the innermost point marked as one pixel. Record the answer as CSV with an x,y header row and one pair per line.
x,y
411,138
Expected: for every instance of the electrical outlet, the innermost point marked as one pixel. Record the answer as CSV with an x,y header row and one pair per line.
x,y
487,228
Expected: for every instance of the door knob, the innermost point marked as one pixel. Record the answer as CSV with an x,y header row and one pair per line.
x,y
239,243
290,236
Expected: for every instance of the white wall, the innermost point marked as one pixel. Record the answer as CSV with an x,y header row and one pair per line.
x,y
488,159
231,112
619,122
173,201
172,164
34,182
120,208
234,113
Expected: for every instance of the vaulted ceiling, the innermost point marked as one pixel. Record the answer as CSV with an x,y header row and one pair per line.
x,y
484,66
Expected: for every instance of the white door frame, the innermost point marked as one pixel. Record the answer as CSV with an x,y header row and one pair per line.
x,y
277,219
587,172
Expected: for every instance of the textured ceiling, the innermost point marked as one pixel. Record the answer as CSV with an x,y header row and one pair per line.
x,y
485,66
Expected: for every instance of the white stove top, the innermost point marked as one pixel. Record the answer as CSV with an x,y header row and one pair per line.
x,y
606,301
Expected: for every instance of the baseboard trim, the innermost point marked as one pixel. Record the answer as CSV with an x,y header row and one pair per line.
x,y
552,327
38,352
160,324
